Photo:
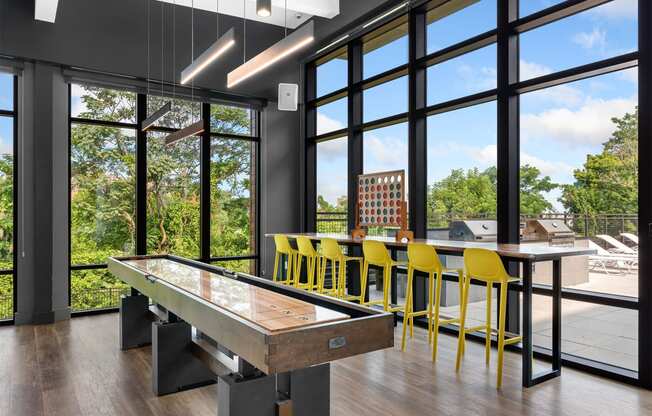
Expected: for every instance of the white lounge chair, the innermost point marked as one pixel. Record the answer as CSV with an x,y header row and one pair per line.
x,y
618,246
631,237
605,260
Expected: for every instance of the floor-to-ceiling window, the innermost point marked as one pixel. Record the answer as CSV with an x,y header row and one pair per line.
x,y
102,197
233,183
7,220
104,219
559,80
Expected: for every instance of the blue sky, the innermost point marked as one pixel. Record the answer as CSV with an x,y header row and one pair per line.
x,y
559,126
6,123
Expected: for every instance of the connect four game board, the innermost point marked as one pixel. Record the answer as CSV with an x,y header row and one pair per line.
x,y
380,198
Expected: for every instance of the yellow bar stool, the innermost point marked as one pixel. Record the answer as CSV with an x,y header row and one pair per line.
x,y
330,250
424,258
306,250
376,254
283,247
486,266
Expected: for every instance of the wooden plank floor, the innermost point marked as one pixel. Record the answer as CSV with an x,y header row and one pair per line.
x,y
75,368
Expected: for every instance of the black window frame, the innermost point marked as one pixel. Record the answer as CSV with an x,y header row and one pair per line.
x,y
13,114
141,186
506,94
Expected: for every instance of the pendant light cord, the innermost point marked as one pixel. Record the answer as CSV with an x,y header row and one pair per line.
x,y
244,26
162,43
285,24
149,2
174,47
192,58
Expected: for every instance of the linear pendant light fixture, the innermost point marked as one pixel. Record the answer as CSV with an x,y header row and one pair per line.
x,y
221,45
207,57
264,8
286,46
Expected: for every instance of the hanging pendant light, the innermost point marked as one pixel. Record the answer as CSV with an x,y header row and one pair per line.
x,y
217,49
167,107
197,127
281,49
264,8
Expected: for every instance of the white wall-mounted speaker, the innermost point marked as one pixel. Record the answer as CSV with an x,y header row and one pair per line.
x,y
288,97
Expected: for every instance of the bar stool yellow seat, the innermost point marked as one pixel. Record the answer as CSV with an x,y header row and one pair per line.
x,y
424,258
306,250
283,247
330,250
486,266
376,254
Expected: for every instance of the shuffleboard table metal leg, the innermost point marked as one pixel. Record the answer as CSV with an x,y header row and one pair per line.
x,y
135,322
310,391
254,396
174,367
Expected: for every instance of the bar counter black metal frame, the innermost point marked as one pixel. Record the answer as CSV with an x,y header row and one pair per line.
x,y
506,94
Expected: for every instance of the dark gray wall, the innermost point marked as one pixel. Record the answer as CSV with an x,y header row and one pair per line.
x,y
279,179
42,269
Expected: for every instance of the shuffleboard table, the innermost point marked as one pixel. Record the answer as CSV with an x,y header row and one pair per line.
x,y
268,346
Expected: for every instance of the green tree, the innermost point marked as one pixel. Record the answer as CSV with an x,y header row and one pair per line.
x,y
608,181
472,193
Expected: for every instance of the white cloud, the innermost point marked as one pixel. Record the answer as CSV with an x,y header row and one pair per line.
x,y
630,75
332,150
477,79
532,70
332,188
390,152
76,104
326,124
6,146
588,125
595,39
485,156
618,9
558,170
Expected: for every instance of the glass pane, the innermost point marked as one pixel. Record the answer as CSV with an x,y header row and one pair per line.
x,y
386,50
6,297
243,266
462,172
599,33
579,163
95,103
233,207
332,75
231,120
184,112
6,91
385,100
173,196
596,332
527,7
95,289
458,20
465,75
332,116
102,184
332,167
386,149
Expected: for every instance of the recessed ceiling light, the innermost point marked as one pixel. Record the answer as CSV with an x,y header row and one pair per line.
x,y
264,8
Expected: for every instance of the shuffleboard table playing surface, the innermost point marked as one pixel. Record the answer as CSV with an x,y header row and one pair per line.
x,y
270,310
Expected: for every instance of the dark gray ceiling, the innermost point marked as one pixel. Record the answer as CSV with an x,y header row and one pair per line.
x,y
111,36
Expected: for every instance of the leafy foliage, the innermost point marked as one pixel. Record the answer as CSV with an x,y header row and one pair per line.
x,y
103,190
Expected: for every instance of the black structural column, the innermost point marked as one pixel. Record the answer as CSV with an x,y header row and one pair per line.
x,y
417,146
141,177
508,163
205,179
355,145
644,197
310,181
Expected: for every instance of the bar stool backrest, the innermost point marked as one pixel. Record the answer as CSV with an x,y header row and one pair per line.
x,y
305,247
282,244
485,265
330,249
423,257
375,252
